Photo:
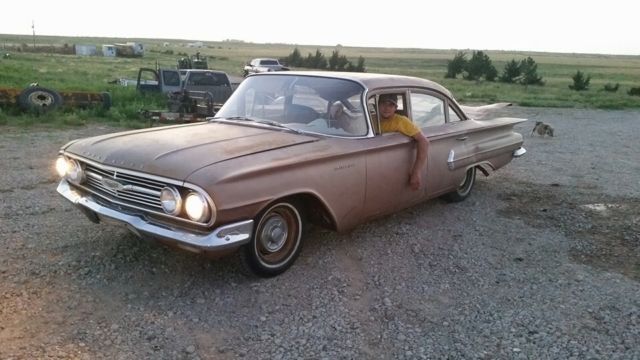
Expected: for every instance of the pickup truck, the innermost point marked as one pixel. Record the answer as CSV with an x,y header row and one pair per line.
x,y
170,81
194,95
263,65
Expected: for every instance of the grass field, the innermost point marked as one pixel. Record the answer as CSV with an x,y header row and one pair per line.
x,y
93,73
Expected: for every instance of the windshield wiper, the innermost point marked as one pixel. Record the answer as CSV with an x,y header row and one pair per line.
x,y
277,124
261,121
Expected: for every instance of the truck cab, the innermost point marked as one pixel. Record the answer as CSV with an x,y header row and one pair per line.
x,y
169,81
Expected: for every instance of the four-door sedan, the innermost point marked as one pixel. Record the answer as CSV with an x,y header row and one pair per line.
x,y
286,149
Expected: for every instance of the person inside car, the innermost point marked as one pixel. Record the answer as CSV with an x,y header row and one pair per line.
x,y
390,121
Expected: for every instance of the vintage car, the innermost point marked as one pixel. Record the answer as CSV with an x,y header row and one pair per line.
x,y
263,65
287,149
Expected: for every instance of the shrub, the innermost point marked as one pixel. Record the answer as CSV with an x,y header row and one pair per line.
x,y
480,66
457,65
580,82
635,91
511,72
529,70
611,88
337,62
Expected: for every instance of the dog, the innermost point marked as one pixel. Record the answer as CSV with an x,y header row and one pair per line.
x,y
542,129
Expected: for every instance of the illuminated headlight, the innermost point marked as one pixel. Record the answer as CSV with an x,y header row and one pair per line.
x,y
61,166
70,169
171,200
196,207
74,171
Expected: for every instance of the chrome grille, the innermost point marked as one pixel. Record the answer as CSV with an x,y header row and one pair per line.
x,y
124,188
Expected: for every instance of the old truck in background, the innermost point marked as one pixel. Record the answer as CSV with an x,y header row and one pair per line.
x,y
192,96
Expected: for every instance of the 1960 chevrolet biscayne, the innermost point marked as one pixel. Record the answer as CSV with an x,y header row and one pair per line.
x,y
286,149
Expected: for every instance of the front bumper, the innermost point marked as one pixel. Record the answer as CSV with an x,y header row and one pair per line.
x,y
222,238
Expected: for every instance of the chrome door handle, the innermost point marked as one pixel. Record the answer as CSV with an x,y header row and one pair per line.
x,y
462,138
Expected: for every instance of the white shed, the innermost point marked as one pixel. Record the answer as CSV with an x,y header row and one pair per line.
x,y
86,50
109,50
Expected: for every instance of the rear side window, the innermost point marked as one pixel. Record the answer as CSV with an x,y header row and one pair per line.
x,y
427,110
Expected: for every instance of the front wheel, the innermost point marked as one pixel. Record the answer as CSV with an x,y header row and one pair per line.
x,y
464,189
276,241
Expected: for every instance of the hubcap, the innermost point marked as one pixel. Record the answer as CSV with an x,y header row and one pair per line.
x,y
41,98
274,233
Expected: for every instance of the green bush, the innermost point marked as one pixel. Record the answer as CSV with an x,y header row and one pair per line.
x,y
480,66
580,81
457,65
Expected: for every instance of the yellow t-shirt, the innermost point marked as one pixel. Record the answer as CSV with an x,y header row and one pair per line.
x,y
401,124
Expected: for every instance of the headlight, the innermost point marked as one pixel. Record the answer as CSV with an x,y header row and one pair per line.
x,y
61,166
74,171
196,207
171,200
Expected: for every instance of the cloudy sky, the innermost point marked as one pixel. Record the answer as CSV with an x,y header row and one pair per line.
x,y
605,27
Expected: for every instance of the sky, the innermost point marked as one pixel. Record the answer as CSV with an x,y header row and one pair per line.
x,y
603,27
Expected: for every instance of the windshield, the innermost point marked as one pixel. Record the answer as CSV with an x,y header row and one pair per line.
x,y
269,62
306,103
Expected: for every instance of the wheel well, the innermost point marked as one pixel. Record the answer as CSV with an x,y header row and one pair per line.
x,y
314,210
485,168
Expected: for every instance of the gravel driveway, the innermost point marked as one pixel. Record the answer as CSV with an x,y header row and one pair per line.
x,y
542,261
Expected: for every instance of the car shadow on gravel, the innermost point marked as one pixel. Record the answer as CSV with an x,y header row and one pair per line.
x,y
604,230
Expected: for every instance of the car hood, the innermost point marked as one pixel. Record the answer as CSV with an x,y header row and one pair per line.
x,y
177,151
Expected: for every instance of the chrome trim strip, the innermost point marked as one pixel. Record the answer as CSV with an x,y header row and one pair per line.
x,y
228,236
519,152
451,159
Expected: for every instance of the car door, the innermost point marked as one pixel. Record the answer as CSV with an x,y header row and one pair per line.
x,y
389,160
448,152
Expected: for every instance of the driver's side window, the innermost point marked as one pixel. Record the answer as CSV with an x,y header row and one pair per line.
x,y
427,110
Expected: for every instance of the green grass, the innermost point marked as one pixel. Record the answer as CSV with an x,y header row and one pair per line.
x,y
80,73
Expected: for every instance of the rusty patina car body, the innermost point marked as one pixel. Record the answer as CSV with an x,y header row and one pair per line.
x,y
286,148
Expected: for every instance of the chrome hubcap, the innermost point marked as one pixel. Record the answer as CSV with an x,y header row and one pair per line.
x,y
274,233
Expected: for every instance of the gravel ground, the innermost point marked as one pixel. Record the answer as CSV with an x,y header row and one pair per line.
x,y
541,262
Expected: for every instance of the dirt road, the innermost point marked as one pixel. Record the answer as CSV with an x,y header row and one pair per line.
x,y
542,261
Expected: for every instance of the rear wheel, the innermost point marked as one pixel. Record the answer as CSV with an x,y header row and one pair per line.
x,y
464,189
276,241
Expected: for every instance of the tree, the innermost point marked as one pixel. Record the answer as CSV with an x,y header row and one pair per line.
x,y
511,72
529,70
457,65
480,66
319,61
580,82
295,59
338,62
360,67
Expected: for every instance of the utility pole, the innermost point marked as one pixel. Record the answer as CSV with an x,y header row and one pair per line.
x,y
33,28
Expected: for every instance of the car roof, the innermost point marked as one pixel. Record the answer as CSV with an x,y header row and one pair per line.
x,y
205,71
371,81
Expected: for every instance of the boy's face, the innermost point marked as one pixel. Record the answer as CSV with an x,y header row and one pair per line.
x,y
387,109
